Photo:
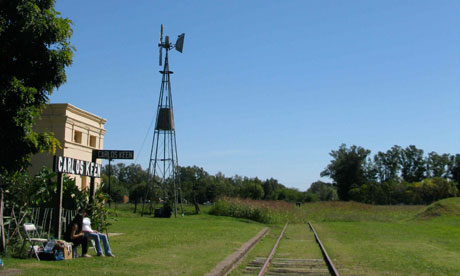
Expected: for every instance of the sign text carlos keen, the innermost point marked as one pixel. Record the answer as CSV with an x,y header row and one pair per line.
x,y
74,166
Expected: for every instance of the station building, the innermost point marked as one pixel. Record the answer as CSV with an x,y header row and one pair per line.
x,y
78,131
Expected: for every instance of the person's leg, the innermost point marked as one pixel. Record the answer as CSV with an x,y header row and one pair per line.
x,y
76,243
95,238
84,244
105,241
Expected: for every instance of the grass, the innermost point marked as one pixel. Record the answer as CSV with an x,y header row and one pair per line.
x,y
366,239
353,211
262,249
192,245
445,207
298,243
361,239
397,248
279,212
392,240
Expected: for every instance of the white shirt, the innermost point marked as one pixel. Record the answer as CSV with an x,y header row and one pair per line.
x,y
86,225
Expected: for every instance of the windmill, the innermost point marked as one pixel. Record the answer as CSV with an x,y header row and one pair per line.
x,y
163,164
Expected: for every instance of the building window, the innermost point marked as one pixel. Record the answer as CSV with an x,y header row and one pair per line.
x,y
92,141
77,137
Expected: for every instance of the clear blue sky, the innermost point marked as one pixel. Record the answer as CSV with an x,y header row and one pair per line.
x,y
269,88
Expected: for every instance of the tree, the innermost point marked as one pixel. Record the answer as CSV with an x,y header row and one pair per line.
x,y
137,194
223,186
271,186
34,51
388,164
193,184
252,188
412,164
432,189
117,190
454,169
289,194
324,191
438,165
347,169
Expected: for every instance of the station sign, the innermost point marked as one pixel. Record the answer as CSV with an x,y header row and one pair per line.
x,y
113,154
69,165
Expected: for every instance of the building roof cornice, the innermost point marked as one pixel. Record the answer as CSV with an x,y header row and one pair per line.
x,y
79,111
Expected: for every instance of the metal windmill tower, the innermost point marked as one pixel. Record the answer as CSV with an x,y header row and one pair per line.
x,y
163,164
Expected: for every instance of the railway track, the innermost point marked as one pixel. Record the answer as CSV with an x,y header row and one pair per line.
x,y
271,266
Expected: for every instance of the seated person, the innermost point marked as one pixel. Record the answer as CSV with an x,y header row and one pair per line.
x,y
75,235
97,237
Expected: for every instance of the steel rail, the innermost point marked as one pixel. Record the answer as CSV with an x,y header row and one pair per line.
x,y
329,263
270,257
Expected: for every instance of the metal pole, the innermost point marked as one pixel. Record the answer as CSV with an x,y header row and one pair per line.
x,y
58,214
91,183
110,176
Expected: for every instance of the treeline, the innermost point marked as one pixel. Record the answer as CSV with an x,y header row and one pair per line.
x,y
198,186
397,176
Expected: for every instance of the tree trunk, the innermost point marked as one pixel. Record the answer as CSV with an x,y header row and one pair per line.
x,y
2,226
197,208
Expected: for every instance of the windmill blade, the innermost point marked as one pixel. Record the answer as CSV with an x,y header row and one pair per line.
x,y
160,45
161,34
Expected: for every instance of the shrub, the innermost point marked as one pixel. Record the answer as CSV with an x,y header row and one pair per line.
x,y
270,212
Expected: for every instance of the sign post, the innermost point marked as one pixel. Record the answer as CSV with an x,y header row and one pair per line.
x,y
91,183
69,165
110,177
110,154
58,213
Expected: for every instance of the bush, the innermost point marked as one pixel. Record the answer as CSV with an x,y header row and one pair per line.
x,y
40,191
270,212
226,208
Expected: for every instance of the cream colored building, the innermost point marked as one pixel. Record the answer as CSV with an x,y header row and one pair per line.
x,y
78,131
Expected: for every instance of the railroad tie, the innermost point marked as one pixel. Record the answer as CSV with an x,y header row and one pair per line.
x,y
284,267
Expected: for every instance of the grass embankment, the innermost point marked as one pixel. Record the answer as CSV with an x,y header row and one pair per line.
x,y
192,245
378,240
279,212
424,243
269,212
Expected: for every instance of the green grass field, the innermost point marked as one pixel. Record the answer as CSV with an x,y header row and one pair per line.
x,y
192,245
373,240
425,241
398,248
361,239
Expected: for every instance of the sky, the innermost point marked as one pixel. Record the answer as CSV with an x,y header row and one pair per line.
x,y
270,88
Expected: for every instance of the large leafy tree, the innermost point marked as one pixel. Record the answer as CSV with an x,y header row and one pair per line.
x,y
438,165
324,191
388,164
454,168
271,187
347,169
413,164
34,51
194,182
